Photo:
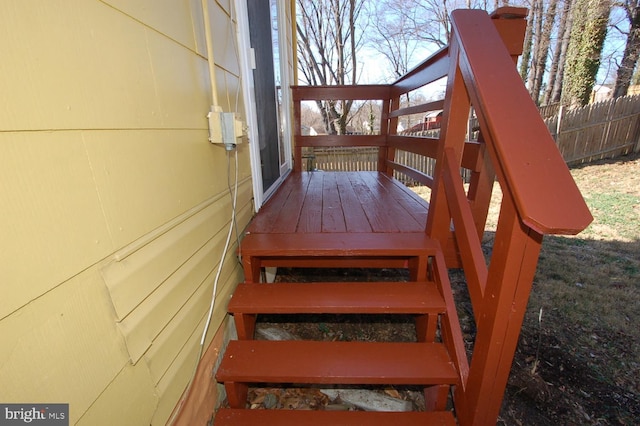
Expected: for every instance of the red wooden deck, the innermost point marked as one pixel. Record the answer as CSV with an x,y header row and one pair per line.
x,y
367,219
339,202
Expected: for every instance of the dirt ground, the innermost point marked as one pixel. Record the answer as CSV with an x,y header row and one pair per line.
x,y
580,365
561,391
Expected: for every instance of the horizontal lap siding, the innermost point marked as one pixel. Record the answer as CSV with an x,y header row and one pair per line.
x,y
117,205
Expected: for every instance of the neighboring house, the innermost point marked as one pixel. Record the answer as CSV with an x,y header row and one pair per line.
x,y
309,131
116,206
601,93
431,121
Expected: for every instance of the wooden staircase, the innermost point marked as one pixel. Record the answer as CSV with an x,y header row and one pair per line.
x,y
539,197
426,363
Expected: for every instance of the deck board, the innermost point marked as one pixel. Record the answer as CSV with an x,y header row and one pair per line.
x,y
354,214
281,212
338,202
310,219
333,219
375,206
396,207
411,202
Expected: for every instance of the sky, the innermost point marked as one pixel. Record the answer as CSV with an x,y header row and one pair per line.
x,y
375,70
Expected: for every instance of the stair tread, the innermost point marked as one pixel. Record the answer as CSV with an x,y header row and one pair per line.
x,y
347,244
256,361
335,298
231,416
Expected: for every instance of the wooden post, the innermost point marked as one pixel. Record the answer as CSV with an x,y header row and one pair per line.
x,y
297,132
511,273
385,129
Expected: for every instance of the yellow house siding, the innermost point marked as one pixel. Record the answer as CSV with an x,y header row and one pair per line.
x,y
52,223
176,25
115,205
152,283
147,178
123,404
224,47
161,356
62,347
78,70
74,60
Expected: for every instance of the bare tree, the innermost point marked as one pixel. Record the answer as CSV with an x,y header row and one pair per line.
x,y
554,82
328,41
536,19
310,117
542,54
366,117
428,20
631,50
394,37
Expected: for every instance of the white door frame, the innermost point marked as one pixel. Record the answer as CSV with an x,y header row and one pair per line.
x,y
247,64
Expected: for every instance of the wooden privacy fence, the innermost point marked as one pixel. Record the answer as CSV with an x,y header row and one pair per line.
x,y
365,159
604,129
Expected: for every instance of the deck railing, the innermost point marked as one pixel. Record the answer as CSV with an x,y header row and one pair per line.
x,y
514,146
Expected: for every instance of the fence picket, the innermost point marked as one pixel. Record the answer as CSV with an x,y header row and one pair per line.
x,y
601,130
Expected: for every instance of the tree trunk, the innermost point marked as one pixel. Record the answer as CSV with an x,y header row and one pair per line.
x,y
631,50
554,71
556,93
543,50
585,49
526,50
537,32
328,40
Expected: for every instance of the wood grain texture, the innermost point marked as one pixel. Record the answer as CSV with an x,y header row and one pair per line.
x,y
294,361
338,202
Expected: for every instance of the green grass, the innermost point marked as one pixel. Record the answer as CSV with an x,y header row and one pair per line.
x,y
587,344
616,210
589,285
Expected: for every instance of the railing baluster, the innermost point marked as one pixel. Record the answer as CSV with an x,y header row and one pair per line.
x,y
473,262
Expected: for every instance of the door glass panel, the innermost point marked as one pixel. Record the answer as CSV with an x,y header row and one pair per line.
x,y
263,29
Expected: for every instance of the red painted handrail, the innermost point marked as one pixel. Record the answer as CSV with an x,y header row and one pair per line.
x,y
546,196
540,196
